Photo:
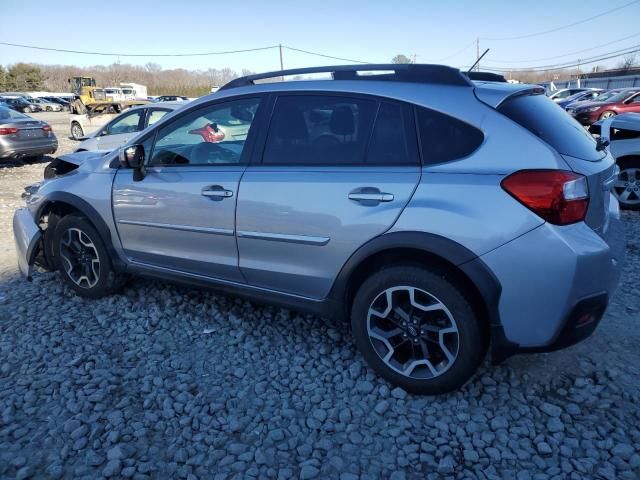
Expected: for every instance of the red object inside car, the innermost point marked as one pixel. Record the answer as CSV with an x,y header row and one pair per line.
x,y
210,133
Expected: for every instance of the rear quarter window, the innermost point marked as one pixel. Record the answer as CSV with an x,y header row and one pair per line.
x,y
444,138
550,123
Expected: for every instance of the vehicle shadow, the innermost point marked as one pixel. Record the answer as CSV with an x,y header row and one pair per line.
x,y
21,162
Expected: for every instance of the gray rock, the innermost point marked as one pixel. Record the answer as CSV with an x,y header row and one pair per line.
x,y
112,469
308,471
544,448
623,450
382,407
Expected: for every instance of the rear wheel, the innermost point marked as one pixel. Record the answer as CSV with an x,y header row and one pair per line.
x,y
417,330
627,186
27,109
607,114
82,258
76,131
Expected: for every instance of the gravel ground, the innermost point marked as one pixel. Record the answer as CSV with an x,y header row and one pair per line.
x,y
171,382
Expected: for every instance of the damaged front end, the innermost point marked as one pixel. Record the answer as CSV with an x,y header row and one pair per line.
x,y
31,237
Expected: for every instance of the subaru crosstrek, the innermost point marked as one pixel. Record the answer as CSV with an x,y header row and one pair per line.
x,y
444,214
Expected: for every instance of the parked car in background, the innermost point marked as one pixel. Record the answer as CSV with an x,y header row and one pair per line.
x,y
21,105
23,136
60,101
81,125
172,98
396,204
623,134
119,130
580,97
622,101
564,93
46,105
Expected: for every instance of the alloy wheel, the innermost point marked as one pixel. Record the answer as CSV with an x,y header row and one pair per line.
x,y
413,332
607,115
80,257
627,186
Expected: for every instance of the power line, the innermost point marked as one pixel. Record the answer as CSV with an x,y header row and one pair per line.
x,y
113,54
566,54
325,56
579,22
547,68
457,52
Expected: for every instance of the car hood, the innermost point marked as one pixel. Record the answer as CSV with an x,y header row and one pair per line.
x,y
87,161
589,104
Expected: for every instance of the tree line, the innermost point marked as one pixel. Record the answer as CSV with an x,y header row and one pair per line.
x,y
26,77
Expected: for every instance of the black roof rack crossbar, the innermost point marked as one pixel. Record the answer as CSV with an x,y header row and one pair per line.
x,y
416,73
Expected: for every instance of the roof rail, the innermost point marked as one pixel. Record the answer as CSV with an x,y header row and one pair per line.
x,y
416,73
485,76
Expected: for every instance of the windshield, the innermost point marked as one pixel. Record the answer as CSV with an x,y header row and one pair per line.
x,y
7,115
616,96
549,122
576,96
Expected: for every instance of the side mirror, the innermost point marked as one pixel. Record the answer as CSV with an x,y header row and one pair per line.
x,y
133,157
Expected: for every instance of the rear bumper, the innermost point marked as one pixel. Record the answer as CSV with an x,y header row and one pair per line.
x,y
27,237
33,149
556,284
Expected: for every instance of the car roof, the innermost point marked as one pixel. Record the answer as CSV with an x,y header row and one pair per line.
x,y
168,105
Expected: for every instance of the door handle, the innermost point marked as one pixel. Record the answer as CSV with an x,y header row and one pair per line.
x,y
216,192
370,196
375,197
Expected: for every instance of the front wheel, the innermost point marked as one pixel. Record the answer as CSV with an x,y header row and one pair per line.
x,y
607,114
76,131
27,110
82,259
627,186
417,330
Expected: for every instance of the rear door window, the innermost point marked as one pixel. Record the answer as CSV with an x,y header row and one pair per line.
x,y
393,141
550,123
319,130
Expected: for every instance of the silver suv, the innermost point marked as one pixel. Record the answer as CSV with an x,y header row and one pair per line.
x,y
444,214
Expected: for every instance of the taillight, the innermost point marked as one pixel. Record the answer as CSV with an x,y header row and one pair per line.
x,y
47,129
559,197
8,130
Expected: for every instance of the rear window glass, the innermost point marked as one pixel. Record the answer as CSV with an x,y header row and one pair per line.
x,y
8,115
444,138
551,123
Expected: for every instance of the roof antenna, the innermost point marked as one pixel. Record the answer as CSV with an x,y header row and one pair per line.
x,y
478,60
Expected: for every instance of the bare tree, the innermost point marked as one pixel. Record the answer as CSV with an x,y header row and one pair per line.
x,y
628,62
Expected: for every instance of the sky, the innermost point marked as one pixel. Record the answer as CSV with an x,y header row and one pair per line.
x,y
371,31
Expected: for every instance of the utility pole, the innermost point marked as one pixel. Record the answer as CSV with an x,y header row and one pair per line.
x,y
414,57
281,62
478,53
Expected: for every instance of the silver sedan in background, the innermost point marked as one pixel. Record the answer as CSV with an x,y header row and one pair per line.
x,y
24,136
123,127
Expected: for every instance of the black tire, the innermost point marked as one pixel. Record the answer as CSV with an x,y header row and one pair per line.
x,y
629,200
471,346
107,280
76,131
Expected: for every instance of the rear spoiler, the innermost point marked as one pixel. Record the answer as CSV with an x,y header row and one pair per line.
x,y
485,77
